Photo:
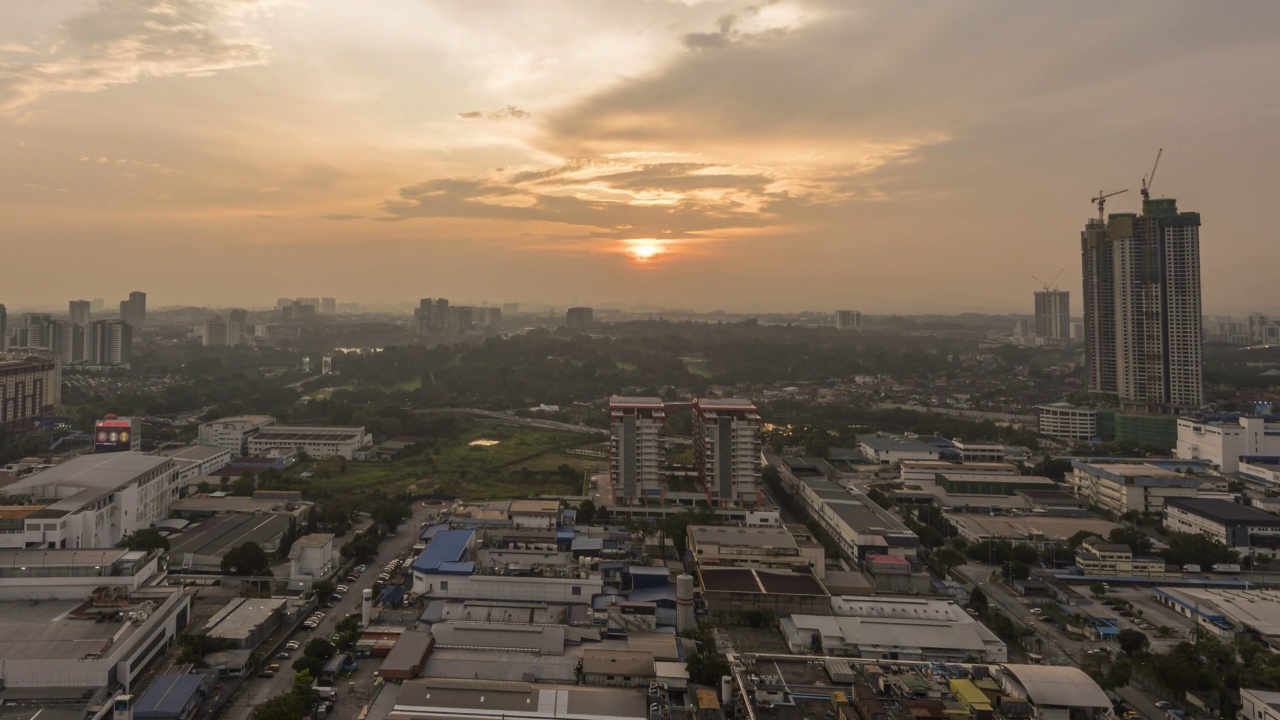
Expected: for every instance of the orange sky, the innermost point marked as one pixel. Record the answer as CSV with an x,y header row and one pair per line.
x,y
795,154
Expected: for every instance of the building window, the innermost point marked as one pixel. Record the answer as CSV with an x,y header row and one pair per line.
x,y
577,590
444,584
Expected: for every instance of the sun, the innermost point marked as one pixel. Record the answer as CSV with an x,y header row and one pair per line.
x,y
644,250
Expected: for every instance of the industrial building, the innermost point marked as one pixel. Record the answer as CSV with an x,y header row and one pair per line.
x,y
234,432
1240,527
39,575
447,568
1259,704
1119,486
93,501
884,449
732,595
197,460
311,557
1097,557
316,442
1067,422
921,629
200,547
247,621
928,470
1226,613
758,547
436,699
1043,531
1223,438
407,656
1055,692
171,697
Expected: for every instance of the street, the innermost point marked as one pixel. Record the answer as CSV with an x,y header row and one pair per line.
x,y
258,690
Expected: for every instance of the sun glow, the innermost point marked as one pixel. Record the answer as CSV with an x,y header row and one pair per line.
x,y
644,250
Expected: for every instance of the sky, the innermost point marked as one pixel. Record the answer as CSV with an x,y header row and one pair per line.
x,y
889,157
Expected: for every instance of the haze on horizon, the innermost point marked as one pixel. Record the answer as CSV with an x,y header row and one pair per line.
x,y
785,154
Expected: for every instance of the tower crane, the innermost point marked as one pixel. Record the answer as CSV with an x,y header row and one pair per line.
x,y
1101,201
1148,180
1052,284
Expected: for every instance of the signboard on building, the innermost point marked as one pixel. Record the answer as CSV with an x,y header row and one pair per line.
x,y
117,435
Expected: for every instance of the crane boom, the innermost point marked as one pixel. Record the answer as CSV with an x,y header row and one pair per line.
x,y
1150,179
1101,202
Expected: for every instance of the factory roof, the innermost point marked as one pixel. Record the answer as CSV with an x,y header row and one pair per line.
x,y
895,443
48,630
535,507
201,504
169,696
89,557
1254,610
618,662
448,546
764,582
85,479
1224,511
408,652
217,535
882,633
193,453
435,698
542,639
242,616
243,420
756,537
631,401
281,433
1058,686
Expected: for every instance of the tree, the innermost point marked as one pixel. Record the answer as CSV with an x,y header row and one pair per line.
x,y
203,487
302,682
1026,554
1076,540
389,514
146,539
1098,589
586,512
281,707
312,665
1198,549
247,560
322,589
244,485
879,498
947,558
1138,541
1133,642
978,601
1226,706
1019,570
319,648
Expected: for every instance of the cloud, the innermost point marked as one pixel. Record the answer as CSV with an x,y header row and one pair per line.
x,y
510,112
122,42
342,217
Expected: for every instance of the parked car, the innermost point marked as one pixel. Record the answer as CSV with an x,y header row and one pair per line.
x,y
292,645
342,589
284,655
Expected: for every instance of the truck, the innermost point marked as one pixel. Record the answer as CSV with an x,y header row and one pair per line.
x,y
1190,568
1226,568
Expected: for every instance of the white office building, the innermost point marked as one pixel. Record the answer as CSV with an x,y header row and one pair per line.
x,y
197,460
233,432
93,501
316,442
1122,486
1064,421
1223,439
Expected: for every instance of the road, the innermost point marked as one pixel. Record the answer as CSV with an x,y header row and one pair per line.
x,y
259,690
1056,644
510,419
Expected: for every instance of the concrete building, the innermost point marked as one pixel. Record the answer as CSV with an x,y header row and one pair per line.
x,y
247,621
1121,486
1097,557
1262,469
197,460
1240,527
848,320
726,451
971,451
317,442
4,328
109,343
1064,421
59,648
887,628
636,455
889,449
201,547
93,501
1056,692
757,547
734,595
220,332
928,470
1227,612
74,574
1053,314
134,310
1142,308
172,697
233,432
579,318
78,312
311,556
534,514
1224,438
29,389
437,699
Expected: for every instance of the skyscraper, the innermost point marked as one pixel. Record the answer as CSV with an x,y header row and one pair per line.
x,y
134,310
1142,309
579,318
1053,314
848,320
4,329
109,342
79,311
726,450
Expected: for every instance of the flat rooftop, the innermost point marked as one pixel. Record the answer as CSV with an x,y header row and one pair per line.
x,y
490,699
48,630
242,616
1225,511
754,537
86,479
761,582
1029,526
88,557
1256,610
227,504
194,453
636,402
277,433
243,420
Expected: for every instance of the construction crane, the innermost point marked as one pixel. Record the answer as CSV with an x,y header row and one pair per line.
x,y
1052,284
1101,202
1148,180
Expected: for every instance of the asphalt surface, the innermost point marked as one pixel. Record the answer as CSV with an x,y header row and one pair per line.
x,y
1057,646
352,693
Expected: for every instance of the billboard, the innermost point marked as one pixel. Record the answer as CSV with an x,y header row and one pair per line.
x,y
117,435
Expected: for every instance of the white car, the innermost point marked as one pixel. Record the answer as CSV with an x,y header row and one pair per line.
x,y
292,645
342,588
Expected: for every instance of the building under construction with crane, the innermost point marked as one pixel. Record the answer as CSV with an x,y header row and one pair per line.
x,y
1142,309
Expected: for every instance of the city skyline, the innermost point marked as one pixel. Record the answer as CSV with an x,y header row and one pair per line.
x,y
799,154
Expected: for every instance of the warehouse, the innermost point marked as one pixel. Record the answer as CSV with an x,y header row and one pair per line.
x,y
316,442
406,659
171,697
733,594
201,547
247,622
1056,692
899,628
1240,527
429,699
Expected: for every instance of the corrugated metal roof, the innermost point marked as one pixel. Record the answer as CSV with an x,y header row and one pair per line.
x,y
168,696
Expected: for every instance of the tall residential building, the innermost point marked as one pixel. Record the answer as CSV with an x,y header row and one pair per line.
x,y
328,306
97,305
36,331
69,342
29,389
579,318
636,453
134,310
216,333
848,320
79,311
726,450
4,329
1142,308
109,342
1053,314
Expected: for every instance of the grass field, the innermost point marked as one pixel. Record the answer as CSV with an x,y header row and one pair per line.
x,y
523,462
697,365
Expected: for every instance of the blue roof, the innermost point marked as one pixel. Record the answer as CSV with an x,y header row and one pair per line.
x,y
456,568
432,530
448,546
168,697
